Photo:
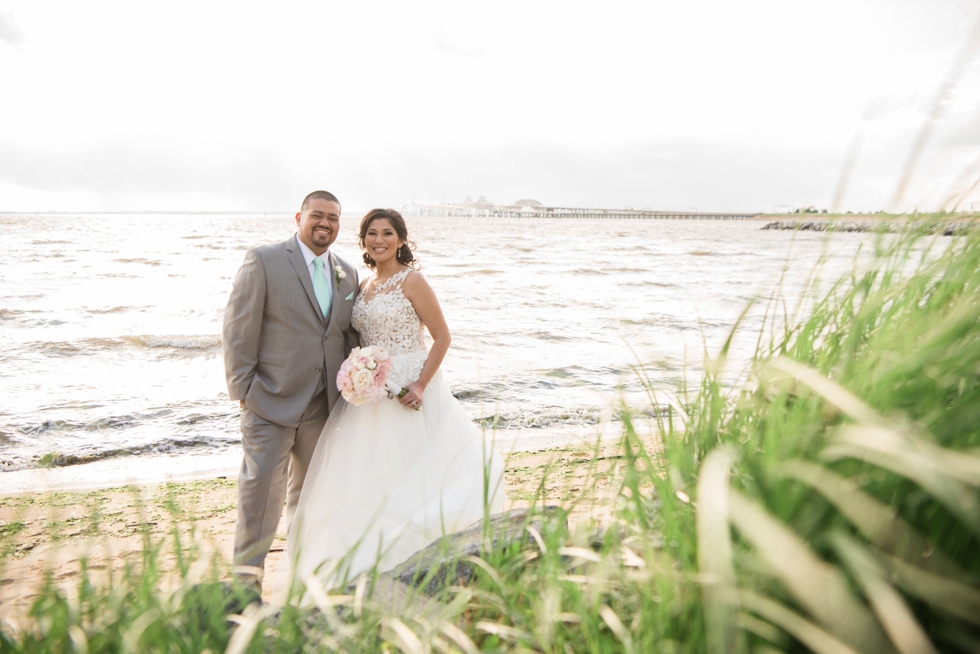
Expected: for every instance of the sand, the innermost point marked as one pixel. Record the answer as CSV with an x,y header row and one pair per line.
x,y
55,532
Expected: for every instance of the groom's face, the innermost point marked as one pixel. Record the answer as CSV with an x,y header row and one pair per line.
x,y
318,225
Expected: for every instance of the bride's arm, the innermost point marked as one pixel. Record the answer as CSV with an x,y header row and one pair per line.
x,y
417,291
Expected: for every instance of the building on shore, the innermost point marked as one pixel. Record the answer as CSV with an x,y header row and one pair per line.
x,y
534,209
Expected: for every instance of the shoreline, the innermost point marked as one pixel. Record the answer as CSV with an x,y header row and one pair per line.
x,y
148,470
102,530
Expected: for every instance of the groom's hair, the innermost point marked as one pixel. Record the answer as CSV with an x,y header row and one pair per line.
x,y
318,195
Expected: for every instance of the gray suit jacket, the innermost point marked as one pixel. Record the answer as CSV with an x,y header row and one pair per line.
x,y
279,350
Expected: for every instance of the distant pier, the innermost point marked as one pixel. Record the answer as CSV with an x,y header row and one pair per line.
x,y
534,209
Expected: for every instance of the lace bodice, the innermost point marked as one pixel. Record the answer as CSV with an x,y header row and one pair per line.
x,y
387,318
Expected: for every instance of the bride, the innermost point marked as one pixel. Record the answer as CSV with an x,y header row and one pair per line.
x,y
389,478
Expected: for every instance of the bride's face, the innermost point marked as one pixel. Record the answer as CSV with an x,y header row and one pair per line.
x,y
381,240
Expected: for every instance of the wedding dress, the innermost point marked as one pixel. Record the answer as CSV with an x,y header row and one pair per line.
x,y
385,480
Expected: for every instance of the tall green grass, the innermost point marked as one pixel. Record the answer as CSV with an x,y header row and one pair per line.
x,y
828,504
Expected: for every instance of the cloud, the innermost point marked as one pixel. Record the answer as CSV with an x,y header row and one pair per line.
x,y
666,175
9,31
251,179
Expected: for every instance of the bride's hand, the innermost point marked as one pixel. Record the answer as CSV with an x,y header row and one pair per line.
x,y
413,398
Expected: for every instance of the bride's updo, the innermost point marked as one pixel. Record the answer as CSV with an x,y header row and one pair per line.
x,y
404,254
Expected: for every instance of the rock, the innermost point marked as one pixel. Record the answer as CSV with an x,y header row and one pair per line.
x,y
393,597
949,229
441,564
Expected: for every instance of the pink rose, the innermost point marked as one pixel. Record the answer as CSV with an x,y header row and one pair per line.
x,y
362,379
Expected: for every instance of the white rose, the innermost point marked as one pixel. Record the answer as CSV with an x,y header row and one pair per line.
x,y
340,272
362,379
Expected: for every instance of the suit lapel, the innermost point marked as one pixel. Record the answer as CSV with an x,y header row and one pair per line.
x,y
335,287
303,272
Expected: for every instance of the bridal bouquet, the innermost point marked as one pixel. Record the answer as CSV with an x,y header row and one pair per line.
x,y
363,374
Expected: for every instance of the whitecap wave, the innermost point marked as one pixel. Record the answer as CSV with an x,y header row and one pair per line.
x,y
179,341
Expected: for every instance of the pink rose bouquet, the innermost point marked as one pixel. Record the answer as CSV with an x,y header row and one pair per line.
x,y
363,374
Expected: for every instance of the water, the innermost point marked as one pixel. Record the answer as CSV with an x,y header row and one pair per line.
x,y
110,325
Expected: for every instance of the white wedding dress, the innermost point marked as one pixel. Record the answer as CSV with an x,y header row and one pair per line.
x,y
385,481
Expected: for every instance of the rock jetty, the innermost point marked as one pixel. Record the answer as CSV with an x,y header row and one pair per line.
x,y
946,229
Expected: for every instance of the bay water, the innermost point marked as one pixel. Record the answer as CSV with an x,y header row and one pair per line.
x,y
110,327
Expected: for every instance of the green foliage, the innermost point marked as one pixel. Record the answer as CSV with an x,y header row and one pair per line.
x,y
851,448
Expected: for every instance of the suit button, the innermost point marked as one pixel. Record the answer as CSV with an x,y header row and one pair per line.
x,y
318,368
324,337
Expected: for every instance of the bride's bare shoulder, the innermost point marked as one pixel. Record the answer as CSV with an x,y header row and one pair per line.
x,y
414,278
416,286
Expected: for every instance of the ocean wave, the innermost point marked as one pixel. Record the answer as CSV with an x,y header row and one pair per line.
x,y
556,417
529,385
649,282
662,320
149,262
632,271
10,314
119,309
545,417
164,446
548,336
98,345
180,342
53,348
110,422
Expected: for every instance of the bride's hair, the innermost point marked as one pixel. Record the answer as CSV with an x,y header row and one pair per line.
x,y
404,254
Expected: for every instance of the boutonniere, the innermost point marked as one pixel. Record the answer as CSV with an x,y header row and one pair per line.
x,y
338,271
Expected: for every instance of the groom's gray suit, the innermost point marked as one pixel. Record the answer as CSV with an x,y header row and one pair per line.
x,y
281,360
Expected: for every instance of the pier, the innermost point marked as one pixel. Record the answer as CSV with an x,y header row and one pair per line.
x,y
534,209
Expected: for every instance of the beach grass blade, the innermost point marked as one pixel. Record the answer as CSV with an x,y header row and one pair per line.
x,y
846,401
817,586
947,594
877,522
794,624
718,588
887,603
883,447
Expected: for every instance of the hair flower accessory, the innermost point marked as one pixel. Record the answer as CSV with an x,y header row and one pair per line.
x,y
339,272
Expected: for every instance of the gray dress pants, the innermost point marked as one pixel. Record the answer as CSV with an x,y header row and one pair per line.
x,y
273,469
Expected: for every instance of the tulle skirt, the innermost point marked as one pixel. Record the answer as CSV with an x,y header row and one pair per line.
x,y
385,481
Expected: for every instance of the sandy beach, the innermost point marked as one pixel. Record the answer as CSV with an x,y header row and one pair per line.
x,y
106,529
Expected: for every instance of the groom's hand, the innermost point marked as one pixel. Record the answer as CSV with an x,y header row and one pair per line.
x,y
413,398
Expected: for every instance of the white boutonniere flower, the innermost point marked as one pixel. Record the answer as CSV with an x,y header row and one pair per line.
x,y
339,272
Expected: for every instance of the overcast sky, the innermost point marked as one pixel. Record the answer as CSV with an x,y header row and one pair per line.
x,y
716,105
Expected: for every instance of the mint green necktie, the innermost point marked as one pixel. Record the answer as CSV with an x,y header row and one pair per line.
x,y
321,286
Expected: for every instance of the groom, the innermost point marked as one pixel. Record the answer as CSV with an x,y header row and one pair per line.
x,y
286,332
